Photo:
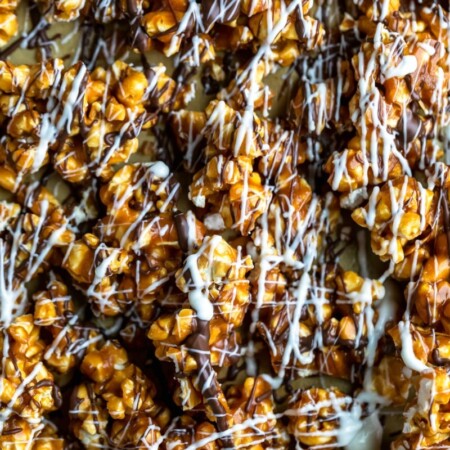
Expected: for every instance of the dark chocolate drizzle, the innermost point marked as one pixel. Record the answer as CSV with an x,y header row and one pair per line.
x,y
182,231
40,40
446,210
139,37
438,360
198,346
219,11
12,431
413,126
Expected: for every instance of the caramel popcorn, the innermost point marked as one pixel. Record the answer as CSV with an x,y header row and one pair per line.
x,y
377,153
314,420
139,242
245,201
252,403
19,434
187,189
33,233
9,24
425,425
82,122
28,387
54,311
187,431
202,337
117,399
396,214
332,326
228,182
392,380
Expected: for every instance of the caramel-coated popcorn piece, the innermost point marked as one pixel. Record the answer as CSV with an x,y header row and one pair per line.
x,y
9,24
252,403
20,434
396,214
202,336
54,311
83,122
115,406
315,418
136,249
333,314
29,390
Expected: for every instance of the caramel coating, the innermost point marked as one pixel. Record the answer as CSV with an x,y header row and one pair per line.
x,y
132,255
28,388
9,24
396,214
338,320
314,418
214,274
82,122
183,245
54,311
121,401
